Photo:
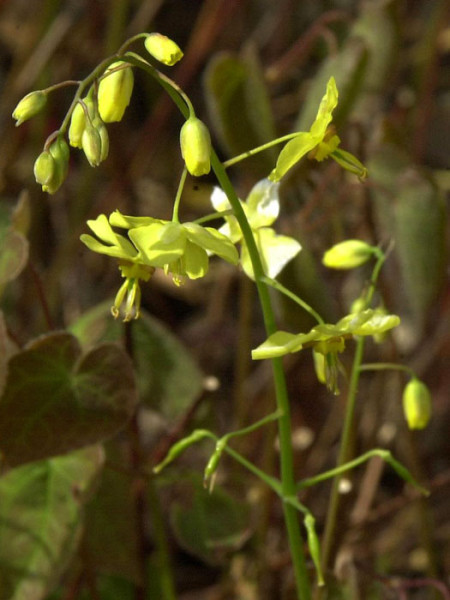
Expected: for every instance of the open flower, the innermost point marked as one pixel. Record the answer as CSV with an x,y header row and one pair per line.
x,y
261,208
319,142
181,249
327,340
325,337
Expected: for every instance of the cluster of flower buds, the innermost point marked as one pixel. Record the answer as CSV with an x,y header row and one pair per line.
x,y
87,131
106,102
50,168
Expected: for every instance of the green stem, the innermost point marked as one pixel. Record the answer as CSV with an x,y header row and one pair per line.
x,y
271,482
175,92
284,421
166,578
176,204
380,453
253,151
333,507
283,290
386,367
213,216
344,449
129,42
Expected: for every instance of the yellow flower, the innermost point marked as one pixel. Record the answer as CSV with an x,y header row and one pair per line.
x,y
319,142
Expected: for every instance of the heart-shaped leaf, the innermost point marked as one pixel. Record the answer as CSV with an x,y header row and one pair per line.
x,y
40,509
169,379
57,400
212,526
13,255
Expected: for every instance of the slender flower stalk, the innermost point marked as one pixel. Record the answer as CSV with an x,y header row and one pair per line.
x,y
284,421
344,448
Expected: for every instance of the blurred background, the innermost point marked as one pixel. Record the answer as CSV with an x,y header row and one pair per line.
x,y
255,70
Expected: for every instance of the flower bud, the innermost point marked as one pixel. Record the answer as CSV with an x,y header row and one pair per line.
x,y
104,138
195,142
358,305
348,255
29,106
59,151
78,121
163,49
92,145
44,168
416,404
114,91
181,446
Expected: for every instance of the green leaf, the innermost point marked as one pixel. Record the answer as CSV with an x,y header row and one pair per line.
x,y
40,510
57,400
420,241
239,106
348,67
410,209
378,27
213,525
13,255
168,378
110,538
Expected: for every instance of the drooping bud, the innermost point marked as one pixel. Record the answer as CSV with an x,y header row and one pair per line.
x,y
348,254
114,91
181,446
104,138
195,142
59,151
163,49
44,168
78,121
29,106
92,145
416,404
